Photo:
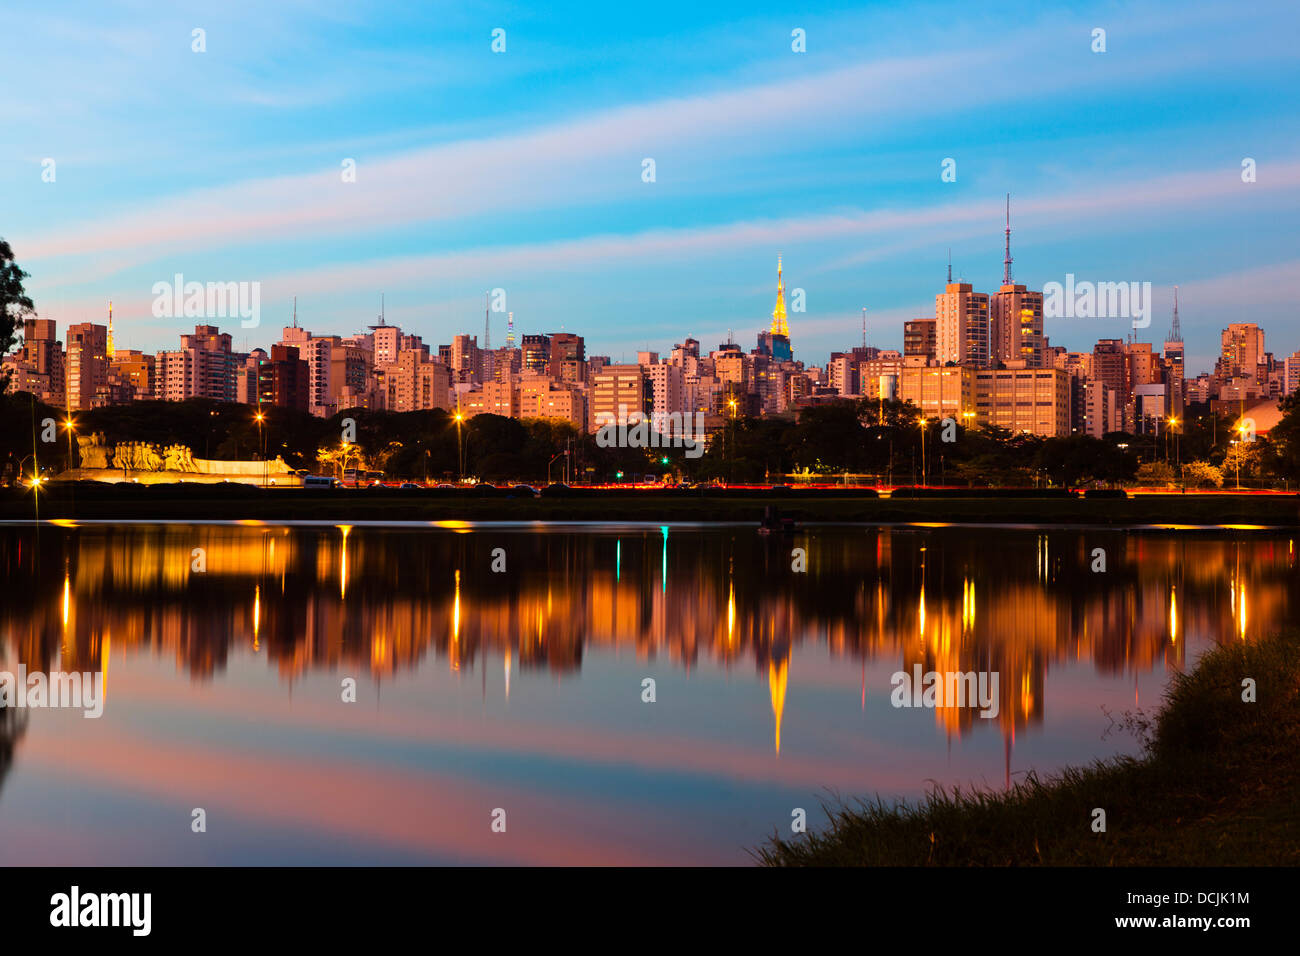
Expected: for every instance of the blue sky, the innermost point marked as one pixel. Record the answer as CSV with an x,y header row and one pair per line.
x,y
522,170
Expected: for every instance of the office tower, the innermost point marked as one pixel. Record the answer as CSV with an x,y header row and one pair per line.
x,y
920,338
962,326
565,348
1242,351
283,379
86,364
536,352
1033,400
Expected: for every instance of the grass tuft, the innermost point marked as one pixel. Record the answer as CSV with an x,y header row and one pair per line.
x,y
1217,785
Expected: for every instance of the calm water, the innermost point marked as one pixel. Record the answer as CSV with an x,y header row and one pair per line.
x,y
522,690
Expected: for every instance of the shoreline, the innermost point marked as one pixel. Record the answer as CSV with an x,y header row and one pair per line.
x,y
1145,511
1218,784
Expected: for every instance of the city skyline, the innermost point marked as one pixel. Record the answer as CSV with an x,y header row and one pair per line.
x,y
527,171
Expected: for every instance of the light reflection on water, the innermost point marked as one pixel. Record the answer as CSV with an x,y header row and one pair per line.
x,y
523,689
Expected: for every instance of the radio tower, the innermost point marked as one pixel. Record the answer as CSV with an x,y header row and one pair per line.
x,y
1006,263
487,320
510,330
109,342
1176,333
864,328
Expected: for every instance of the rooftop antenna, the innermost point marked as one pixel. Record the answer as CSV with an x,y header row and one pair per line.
x,y
381,308
1006,263
950,265
295,311
864,322
487,320
1176,333
510,330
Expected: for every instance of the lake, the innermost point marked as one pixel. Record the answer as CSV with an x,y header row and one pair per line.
x,y
456,693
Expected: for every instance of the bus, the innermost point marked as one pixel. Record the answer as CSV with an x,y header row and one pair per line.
x,y
317,481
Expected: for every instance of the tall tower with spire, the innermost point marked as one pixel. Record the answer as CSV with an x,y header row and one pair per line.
x,y
109,349
1006,263
779,324
510,330
1016,334
1174,363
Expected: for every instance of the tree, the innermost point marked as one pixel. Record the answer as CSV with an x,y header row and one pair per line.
x,y
1199,474
1155,473
14,305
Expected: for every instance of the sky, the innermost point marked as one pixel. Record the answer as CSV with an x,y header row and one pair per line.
x,y
525,170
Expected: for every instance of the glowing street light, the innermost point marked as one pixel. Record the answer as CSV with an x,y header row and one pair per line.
x,y
261,441
460,446
71,427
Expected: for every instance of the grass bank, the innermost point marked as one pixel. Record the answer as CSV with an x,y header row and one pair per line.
x,y
1218,785
207,502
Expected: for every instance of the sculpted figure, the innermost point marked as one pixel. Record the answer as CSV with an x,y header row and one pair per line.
x,y
172,458
152,460
122,456
93,452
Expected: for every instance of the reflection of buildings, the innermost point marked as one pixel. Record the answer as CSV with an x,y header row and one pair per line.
x,y
379,602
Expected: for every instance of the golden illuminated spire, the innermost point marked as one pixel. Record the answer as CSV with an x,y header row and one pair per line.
x,y
110,328
779,326
776,681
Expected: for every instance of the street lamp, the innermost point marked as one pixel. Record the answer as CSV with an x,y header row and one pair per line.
x,y
261,442
460,447
70,425
923,423
731,439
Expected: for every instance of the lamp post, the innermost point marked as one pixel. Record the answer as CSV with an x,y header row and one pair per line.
x,y
261,442
923,449
460,447
70,425
731,438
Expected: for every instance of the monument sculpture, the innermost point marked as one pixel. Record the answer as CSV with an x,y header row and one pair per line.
x,y
145,461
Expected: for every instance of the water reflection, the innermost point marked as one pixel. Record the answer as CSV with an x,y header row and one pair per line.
x,y
382,600
235,601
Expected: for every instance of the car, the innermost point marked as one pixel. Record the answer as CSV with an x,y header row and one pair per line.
x,y
408,485
556,489
444,486
523,491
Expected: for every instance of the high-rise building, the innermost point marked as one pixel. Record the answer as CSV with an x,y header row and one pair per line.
x,y
203,367
565,348
1033,400
283,379
536,352
466,359
135,371
1016,327
962,326
938,391
413,383
86,363
1242,352
920,338
617,391
38,366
